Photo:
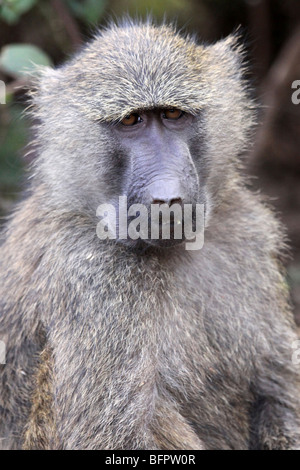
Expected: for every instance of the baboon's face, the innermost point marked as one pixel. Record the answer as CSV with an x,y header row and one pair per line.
x,y
153,157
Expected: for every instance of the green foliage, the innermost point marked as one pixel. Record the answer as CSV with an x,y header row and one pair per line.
x,y
20,59
294,275
13,138
89,11
11,10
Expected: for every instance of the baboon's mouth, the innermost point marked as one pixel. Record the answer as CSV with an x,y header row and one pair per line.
x,y
161,240
165,243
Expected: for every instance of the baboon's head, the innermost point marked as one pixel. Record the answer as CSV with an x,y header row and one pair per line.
x,y
145,113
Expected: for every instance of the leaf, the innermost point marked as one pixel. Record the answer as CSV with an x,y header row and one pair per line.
x,y
8,15
20,59
89,11
11,10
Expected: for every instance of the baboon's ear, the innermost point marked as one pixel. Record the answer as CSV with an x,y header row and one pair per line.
x,y
45,87
227,53
48,80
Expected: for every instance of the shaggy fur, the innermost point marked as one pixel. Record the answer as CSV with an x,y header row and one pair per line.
x,y
109,348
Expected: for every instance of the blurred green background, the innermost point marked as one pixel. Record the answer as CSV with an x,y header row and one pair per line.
x,y
49,31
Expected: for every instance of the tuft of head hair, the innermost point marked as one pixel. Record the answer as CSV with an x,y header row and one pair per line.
x,y
132,66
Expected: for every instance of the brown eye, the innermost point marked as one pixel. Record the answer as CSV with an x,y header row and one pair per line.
x,y
173,114
131,119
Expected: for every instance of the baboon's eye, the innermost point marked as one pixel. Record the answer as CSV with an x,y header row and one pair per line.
x,y
172,113
131,119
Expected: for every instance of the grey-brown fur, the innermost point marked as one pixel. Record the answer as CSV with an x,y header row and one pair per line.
x,y
168,349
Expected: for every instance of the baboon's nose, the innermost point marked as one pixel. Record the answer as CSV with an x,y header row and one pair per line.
x,y
166,192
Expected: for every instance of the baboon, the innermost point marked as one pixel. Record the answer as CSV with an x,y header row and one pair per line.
x,y
144,344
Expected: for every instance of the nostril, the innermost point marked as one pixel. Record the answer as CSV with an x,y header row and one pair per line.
x,y
176,200
159,201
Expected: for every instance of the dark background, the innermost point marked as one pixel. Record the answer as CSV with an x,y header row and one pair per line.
x,y
271,33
